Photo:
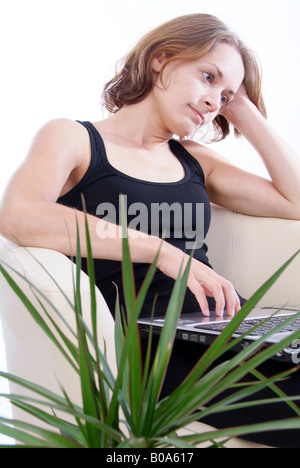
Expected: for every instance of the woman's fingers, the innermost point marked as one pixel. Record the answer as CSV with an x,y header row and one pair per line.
x,y
232,302
207,283
198,290
202,281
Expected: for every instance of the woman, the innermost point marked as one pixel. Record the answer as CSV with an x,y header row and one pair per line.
x,y
188,74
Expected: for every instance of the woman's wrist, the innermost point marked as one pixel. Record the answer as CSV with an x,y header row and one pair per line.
x,y
143,247
241,113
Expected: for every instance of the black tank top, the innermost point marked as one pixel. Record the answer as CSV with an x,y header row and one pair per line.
x,y
180,210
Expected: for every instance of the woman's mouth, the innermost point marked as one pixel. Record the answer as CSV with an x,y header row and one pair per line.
x,y
199,116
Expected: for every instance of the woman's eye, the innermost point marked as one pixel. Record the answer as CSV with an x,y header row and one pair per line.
x,y
224,100
208,77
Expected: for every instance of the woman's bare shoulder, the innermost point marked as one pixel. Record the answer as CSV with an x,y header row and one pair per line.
x,y
63,133
207,157
57,158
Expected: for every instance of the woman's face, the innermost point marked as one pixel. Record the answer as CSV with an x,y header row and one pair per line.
x,y
194,91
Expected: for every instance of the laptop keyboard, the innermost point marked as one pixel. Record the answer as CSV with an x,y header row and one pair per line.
x,y
247,325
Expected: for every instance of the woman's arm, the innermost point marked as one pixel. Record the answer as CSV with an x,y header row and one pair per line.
x,y
236,189
29,214
280,160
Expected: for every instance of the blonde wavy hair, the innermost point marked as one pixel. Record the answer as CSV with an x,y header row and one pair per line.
x,y
186,37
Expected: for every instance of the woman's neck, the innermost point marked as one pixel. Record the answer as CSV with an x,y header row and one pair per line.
x,y
138,123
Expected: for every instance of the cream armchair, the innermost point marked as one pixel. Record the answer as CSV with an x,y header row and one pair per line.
x,y
245,249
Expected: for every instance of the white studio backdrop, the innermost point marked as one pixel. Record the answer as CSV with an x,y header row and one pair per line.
x,y
56,55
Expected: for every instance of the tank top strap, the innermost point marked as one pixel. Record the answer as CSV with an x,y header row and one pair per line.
x,y
96,163
97,146
193,165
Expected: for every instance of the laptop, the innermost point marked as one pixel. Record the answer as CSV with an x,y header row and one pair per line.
x,y
203,330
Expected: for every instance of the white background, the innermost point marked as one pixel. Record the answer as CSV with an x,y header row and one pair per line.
x,y
57,54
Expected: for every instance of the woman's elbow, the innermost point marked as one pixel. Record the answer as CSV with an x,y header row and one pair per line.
x,y
10,224
6,229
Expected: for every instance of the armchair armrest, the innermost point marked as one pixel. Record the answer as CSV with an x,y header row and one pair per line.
x,y
25,341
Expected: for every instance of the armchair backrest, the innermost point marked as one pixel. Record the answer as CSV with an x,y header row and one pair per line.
x,y
247,250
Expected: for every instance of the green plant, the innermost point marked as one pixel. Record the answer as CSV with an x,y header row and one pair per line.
x,y
126,410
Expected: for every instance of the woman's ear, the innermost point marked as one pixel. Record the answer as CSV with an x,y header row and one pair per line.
x,y
158,61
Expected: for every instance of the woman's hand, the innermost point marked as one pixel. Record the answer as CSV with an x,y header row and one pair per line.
x,y
202,281
234,109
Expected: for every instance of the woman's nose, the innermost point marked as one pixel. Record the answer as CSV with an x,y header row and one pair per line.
x,y
213,101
